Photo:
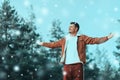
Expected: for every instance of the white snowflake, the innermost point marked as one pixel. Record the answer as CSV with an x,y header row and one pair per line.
x,y
72,2
50,75
112,19
65,12
117,34
85,6
105,26
99,11
91,2
39,20
5,13
55,5
116,9
91,66
17,32
16,68
3,36
3,58
82,14
26,3
35,69
8,75
30,57
44,11
11,45
21,74
64,73
12,56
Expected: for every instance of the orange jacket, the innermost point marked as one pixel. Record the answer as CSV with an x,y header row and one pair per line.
x,y
82,41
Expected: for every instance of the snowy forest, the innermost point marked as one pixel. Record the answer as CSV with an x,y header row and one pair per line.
x,y
22,59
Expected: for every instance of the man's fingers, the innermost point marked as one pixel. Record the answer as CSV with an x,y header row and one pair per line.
x,y
38,42
110,35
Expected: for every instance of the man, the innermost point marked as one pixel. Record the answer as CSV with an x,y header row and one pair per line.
x,y
73,54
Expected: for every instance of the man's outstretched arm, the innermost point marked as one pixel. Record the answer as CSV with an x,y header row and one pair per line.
x,y
51,44
90,40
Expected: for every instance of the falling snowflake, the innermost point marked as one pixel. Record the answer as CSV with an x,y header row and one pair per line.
x,y
85,6
50,75
3,36
91,66
8,75
21,74
116,9
82,14
39,20
44,11
117,34
99,11
11,45
91,2
5,13
64,72
26,3
17,32
65,12
35,69
3,58
12,56
16,68
55,5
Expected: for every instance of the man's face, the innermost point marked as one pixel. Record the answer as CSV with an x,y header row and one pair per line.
x,y
72,28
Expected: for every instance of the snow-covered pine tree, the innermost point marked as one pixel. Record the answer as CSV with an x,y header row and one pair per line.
x,y
117,54
53,55
56,34
20,57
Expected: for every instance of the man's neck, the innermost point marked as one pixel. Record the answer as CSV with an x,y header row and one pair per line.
x,y
73,34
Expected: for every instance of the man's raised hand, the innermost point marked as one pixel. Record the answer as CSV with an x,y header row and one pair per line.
x,y
39,43
110,35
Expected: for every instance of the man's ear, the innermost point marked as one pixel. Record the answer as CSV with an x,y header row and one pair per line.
x,y
76,29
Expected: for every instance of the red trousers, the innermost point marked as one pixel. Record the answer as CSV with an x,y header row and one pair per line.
x,y
73,72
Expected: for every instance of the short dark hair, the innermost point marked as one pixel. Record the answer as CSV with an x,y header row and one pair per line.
x,y
76,24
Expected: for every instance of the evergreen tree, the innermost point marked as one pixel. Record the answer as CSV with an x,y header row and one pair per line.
x,y
55,69
20,57
117,54
56,34
102,69
90,68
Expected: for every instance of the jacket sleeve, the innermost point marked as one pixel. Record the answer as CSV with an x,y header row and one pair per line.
x,y
53,44
91,40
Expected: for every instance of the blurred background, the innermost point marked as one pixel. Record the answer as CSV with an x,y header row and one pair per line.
x,y
25,22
